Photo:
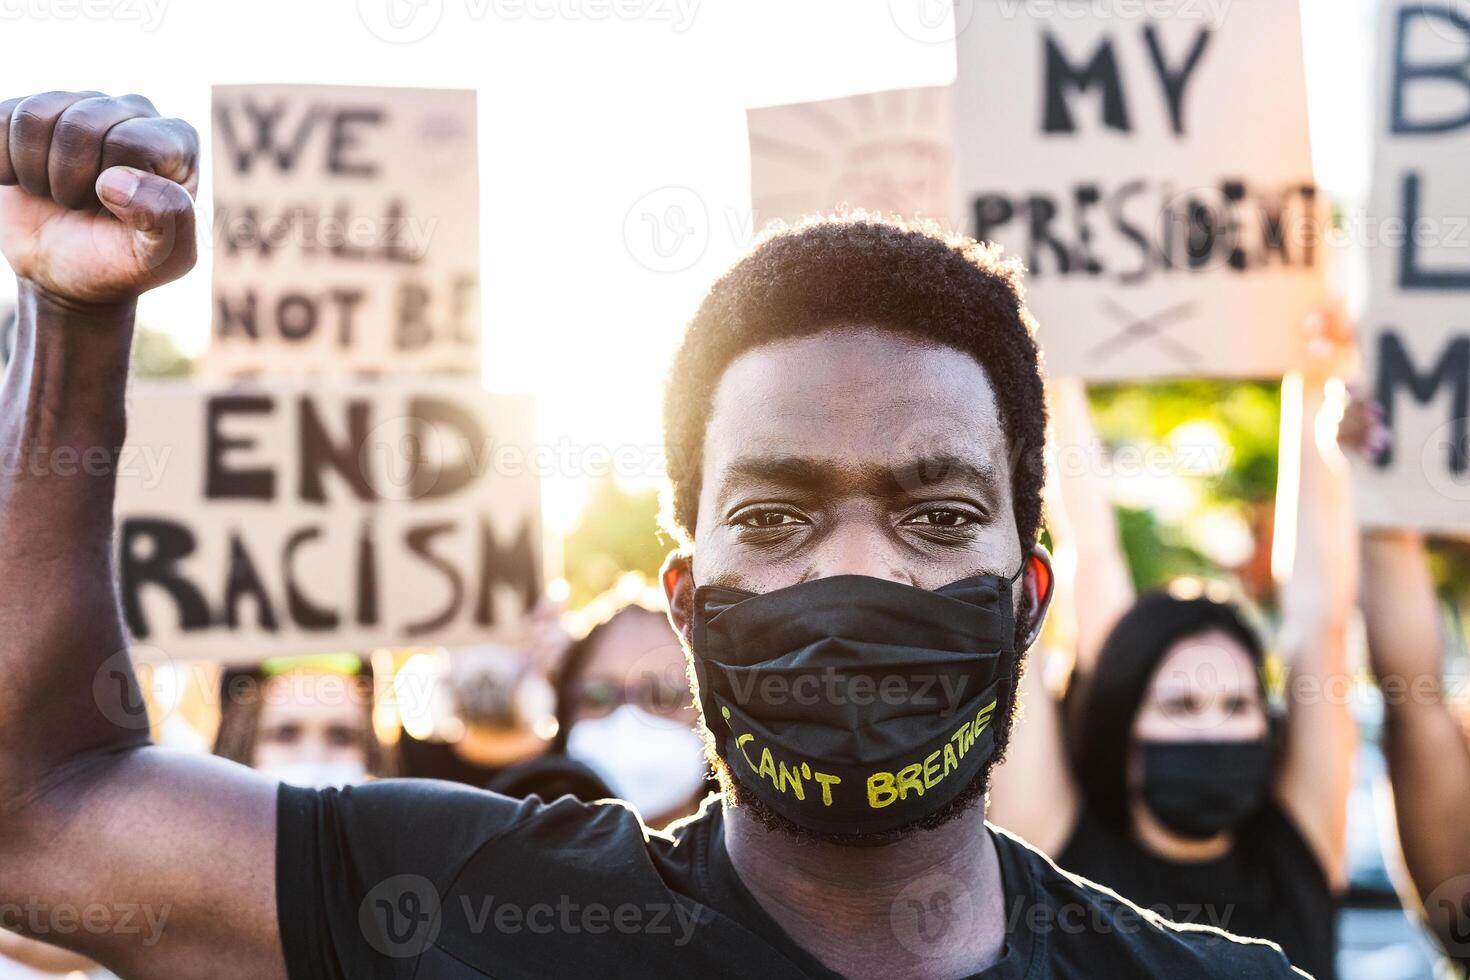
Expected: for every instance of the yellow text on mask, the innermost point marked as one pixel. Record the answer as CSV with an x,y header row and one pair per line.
x,y
787,779
889,787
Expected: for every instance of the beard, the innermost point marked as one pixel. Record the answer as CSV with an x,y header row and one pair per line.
x,y
971,796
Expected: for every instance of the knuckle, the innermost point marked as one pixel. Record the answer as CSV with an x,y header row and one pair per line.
x,y
188,136
139,102
126,143
79,126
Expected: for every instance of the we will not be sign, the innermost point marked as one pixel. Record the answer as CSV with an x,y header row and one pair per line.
x,y
347,231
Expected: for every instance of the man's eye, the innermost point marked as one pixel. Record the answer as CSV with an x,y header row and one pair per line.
x,y
769,518
942,518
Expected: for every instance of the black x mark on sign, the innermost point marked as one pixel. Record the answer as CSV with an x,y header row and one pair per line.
x,y
1151,328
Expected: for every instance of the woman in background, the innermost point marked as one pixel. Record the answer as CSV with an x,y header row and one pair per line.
x,y
1184,791
625,710
305,721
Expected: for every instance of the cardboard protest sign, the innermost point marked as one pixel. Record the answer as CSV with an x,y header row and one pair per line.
x,y
1416,333
346,231
1150,165
882,151
300,516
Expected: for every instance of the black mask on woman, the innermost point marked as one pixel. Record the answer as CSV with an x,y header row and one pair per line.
x,y
853,704
1200,789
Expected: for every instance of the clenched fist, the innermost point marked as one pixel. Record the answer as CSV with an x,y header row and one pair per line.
x,y
96,194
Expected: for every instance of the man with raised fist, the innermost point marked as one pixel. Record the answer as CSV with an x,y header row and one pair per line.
x,y
854,425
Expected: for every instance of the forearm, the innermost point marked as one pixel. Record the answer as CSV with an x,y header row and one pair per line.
x,y
1318,560
1089,526
61,428
1428,761
1429,769
1320,569
1400,612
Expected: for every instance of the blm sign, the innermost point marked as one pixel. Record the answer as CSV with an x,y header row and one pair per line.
x,y
303,516
1150,165
346,230
1416,334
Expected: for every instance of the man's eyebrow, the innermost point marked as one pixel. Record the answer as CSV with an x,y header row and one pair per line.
x,y
807,474
796,472
938,469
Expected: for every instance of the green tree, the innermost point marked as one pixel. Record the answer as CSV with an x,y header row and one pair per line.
x,y
618,532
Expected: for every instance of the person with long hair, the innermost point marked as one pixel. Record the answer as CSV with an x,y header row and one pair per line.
x,y
307,721
1167,775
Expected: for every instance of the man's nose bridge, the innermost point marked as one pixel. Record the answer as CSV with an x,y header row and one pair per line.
x,y
860,548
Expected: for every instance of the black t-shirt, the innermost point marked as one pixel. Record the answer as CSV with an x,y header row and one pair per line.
x,y
410,878
1269,885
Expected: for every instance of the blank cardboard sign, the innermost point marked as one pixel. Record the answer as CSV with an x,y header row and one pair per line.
x,y
890,152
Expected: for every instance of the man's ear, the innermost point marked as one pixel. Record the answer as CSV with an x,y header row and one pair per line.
x,y
677,577
1039,582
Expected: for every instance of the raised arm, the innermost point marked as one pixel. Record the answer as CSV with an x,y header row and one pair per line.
x,y
178,850
1428,759
1315,777
1033,791
1084,525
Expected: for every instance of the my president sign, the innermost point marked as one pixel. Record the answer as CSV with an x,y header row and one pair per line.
x,y
299,517
346,230
880,151
1416,334
1149,162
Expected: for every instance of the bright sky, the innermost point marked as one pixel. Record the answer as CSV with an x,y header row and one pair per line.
x,y
586,108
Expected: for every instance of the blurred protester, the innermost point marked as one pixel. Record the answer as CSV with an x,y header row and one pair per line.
x,y
305,721
1183,789
625,710
1423,742
492,718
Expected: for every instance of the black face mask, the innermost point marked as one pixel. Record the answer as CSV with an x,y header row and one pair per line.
x,y
853,704
1200,789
